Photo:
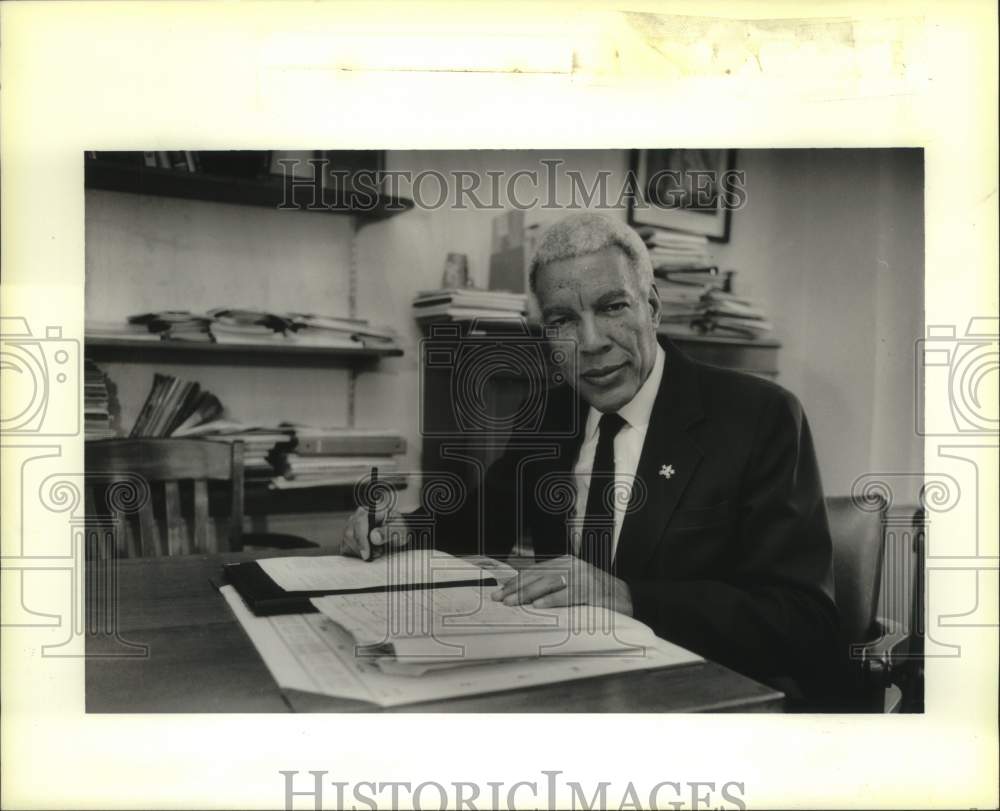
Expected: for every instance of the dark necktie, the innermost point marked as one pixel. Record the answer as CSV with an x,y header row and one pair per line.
x,y
597,542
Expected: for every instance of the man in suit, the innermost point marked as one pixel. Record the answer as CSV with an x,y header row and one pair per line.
x,y
718,539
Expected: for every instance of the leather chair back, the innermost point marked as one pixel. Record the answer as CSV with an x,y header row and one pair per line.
x,y
858,551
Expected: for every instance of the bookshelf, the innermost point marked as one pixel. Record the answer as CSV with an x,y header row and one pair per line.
x,y
248,369
266,192
125,350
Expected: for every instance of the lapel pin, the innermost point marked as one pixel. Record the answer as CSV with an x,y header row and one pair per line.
x,y
667,471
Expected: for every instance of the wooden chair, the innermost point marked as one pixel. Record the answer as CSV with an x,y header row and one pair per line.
x,y
182,468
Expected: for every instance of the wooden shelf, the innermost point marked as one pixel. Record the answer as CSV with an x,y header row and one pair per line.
x,y
133,351
265,192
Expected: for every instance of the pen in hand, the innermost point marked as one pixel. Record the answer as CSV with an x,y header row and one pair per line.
x,y
369,494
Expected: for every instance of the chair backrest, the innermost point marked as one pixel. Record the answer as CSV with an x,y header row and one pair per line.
x,y
169,463
857,563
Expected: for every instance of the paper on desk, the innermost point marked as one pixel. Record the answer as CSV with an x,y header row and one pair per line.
x,y
299,651
332,572
463,623
309,652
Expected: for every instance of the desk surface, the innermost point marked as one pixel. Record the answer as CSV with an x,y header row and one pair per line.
x,y
200,660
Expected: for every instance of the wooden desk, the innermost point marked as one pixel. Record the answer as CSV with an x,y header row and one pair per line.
x,y
200,660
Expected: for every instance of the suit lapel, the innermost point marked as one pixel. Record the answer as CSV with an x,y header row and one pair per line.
x,y
669,459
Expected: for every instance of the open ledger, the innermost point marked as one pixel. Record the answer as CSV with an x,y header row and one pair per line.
x,y
285,585
395,647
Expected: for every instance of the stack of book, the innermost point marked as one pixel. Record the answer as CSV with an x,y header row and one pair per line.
x,y
242,326
320,457
682,294
728,314
259,442
700,303
175,325
174,405
119,330
469,304
671,250
100,410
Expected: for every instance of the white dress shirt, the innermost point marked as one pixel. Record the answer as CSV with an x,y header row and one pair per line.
x,y
628,449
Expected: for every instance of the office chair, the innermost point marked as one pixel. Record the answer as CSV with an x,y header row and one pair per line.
x,y
875,650
177,472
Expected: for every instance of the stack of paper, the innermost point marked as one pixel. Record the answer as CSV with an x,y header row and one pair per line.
x,y
246,326
119,330
672,250
175,325
100,409
337,456
397,645
468,304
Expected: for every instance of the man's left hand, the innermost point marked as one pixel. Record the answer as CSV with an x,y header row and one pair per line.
x,y
566,581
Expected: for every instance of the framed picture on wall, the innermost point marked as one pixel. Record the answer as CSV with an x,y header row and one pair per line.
x,y
689,190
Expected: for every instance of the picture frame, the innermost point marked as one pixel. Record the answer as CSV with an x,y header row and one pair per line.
x,y
683,190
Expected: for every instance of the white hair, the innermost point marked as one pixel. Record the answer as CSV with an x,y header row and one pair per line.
x,y
585,233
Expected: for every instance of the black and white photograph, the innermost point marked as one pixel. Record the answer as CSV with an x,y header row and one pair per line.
x,y
418,407
667,470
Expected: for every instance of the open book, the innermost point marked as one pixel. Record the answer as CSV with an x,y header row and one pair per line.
x,y
285,585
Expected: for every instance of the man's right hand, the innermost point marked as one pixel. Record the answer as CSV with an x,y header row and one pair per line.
x,y
368,546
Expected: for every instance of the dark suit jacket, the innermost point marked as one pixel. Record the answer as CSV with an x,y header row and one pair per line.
x,y
730,557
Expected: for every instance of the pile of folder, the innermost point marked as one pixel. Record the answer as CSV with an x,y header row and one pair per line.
x,y
469,304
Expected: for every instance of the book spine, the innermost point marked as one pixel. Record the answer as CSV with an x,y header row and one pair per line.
x,y
162,412
138,430
187,405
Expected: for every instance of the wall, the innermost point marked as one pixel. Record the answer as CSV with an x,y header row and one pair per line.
x,y
830,243
155,253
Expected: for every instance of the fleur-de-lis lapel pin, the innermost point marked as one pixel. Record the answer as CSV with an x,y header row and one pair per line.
x,y
667,471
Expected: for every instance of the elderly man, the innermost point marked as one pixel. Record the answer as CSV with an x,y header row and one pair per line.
x,y
721,542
